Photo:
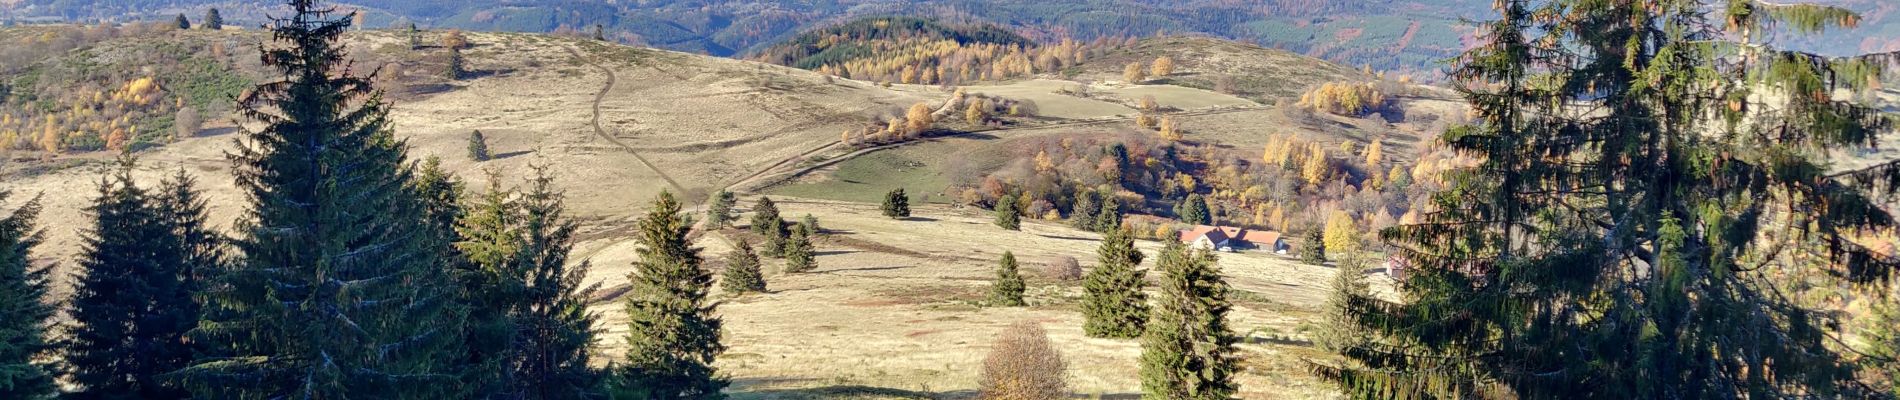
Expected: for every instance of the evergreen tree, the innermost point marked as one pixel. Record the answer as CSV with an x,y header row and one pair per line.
x,y
1193,210
456,68
1007,291
415,37
673,335
896,204
766,222
1112,301
719,211
213,20
342,292
1082,213
25,311
1313,246
182,22
441,195
1641,249
743,274
1188,351
555,330
765,218
1006,215
798,251
1109,217
477,146
810,223
133,304
492,286
1337,331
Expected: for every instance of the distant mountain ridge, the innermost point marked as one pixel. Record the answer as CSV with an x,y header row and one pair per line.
x,y
1406,36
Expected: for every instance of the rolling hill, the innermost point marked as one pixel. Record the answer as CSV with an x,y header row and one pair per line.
x,y
619,124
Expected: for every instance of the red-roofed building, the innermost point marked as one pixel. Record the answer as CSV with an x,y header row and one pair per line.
x,y
1226,238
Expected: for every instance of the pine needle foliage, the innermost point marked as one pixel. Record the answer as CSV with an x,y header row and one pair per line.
x,y
719,210
25,310
743,271
673,336
1007,216
800,255
341,290
896,204
1187,351
1007,291
133,303
1645,170
1113,304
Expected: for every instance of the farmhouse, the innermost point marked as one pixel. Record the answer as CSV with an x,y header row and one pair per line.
x,y
1225,238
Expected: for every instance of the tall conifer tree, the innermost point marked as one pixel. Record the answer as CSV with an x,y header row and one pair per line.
x,y
341,291
555,330
492,287
1113,304
1187,351
132,304
1647,173
24,309
673,336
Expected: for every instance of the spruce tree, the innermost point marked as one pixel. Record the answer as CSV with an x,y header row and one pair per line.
x,y
1082,213
441,195
719,210
551,350
1337,331
1648,177
765,218
1193,210
743,273
477,146
492,286
1109,217
341,291
1313,246
415,37
25,310
1187,351
799,254
213,20
811,225
896,204
133,302
1006,215
1007,291
1113,304
457,67
673,336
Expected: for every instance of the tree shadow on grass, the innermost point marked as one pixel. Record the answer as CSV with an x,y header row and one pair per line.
x,y
510,154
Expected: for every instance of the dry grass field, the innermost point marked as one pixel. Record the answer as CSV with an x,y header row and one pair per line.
x,y
894,309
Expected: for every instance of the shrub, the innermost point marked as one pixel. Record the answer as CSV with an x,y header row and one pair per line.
x,y
1064,268
1024,365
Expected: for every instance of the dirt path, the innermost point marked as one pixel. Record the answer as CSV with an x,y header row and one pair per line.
x,y
602,131
771,171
